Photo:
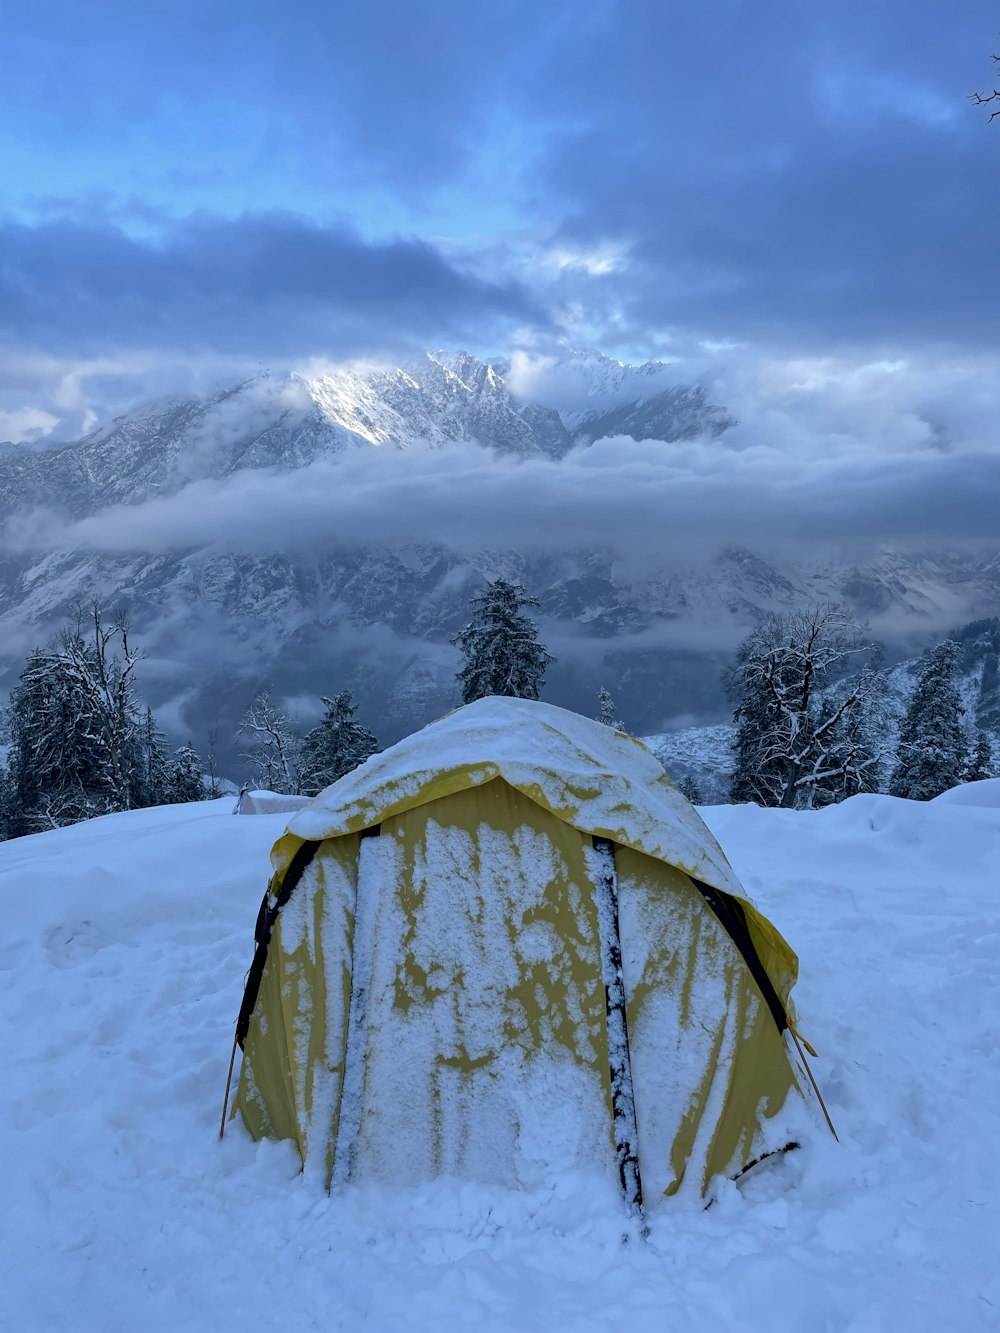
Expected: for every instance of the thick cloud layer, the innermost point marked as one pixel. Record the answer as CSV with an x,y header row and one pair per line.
x,y
656,504
257,285
788,172
780,172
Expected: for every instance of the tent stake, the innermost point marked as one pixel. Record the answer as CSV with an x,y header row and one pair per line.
x,y
805,1066
229,1080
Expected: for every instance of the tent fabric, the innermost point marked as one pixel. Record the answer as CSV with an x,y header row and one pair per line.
x,y
603,782
433,1001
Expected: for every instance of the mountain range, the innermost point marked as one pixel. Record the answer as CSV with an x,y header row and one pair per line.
x,y
377,616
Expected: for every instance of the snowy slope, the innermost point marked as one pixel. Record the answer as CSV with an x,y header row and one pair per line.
x,y
124,947
702,754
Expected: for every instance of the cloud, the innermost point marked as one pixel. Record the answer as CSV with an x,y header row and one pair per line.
x,y
258,286
782,174
656,504
776,173
26,424
646,178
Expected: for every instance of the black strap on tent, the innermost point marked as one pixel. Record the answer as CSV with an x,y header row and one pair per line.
x,y
262,934
619,1055
266,918
732,918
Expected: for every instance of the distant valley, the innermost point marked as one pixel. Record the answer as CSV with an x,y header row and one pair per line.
x,y
376,616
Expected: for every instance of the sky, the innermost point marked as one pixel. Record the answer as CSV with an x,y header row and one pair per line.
x,y
194,189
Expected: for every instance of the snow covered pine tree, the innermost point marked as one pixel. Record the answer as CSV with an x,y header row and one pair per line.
x,y
155,763
607,710
336,746
981,763
932,745
76,736
500,646
185,781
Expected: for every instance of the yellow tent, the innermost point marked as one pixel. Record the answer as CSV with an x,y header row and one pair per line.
x,y
509,945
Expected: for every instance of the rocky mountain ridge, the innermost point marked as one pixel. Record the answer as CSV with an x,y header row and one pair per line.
x,y
288,421
378,618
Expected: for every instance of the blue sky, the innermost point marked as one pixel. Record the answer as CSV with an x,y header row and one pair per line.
x,y
193,187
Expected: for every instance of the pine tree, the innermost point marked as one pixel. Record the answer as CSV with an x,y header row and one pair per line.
x,y
154,764
606,710
690,789
271,746
500,646
75,728
52,764
932,746
185,781
980,764
9,813
336,746
215,787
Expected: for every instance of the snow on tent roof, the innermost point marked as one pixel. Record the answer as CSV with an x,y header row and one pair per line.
x,y
602,782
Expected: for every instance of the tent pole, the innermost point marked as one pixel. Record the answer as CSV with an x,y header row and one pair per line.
x,y
229,1081
805,1066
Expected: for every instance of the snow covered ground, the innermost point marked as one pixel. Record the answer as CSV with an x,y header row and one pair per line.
x,y
122,954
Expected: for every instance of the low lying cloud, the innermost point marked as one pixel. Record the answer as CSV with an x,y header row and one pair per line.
x,y
653,502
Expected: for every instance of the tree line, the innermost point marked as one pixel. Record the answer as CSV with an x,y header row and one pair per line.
x,y
501,654
814,722
80,743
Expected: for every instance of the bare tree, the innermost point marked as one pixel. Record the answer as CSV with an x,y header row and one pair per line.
x,y
984,99
271,746
807,732
112,684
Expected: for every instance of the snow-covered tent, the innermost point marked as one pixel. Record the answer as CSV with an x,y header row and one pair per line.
x,y
506,946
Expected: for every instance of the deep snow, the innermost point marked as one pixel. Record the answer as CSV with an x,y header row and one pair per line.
x,y
123,950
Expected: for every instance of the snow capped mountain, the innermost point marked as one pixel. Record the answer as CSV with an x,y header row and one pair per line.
x,y
680,413
285,422
218,622
289,421
599,396
440,399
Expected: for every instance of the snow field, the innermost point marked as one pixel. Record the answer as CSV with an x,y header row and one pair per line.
x,y
123,949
